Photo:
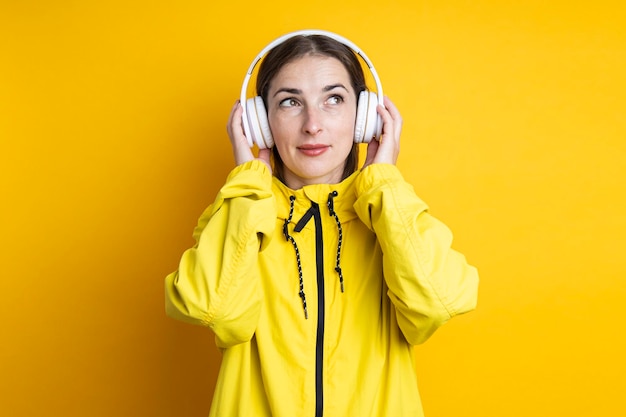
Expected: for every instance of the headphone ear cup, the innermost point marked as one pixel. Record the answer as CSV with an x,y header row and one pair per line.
x,y
264,124
378,131
369,124
373,121
361,116
257,121
253,123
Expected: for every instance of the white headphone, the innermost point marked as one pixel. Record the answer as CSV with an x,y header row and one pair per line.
x,y
368,123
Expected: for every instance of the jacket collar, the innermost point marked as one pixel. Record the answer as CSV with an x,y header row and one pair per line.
x,y
318,193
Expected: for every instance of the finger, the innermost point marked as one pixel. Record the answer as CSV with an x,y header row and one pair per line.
x,y
388,123
395,116
231,116
391,108
392,121
387,151
372,149
235,125
241,147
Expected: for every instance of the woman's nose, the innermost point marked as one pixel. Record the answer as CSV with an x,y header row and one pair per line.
x,y
312,121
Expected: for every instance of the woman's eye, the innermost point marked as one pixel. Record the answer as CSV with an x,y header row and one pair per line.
x,y
288,102
335,100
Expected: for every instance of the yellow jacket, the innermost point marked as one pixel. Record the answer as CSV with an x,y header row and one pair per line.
x,y
266,275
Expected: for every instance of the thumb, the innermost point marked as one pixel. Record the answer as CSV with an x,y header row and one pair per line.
x,y
264,156
372,150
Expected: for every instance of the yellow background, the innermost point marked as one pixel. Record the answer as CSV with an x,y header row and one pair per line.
x,y
112,130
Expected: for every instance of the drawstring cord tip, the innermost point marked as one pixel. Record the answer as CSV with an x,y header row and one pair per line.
x,y
298,261
338,270
331,210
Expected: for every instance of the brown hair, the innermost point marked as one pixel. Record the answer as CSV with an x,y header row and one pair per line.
x,y
297,47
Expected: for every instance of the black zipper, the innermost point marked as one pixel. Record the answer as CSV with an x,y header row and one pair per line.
x,y
319,345
314,212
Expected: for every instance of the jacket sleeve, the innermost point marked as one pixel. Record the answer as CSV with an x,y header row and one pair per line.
x,y
428,281
217,281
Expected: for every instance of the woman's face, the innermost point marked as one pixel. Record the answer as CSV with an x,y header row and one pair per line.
x,y
312,112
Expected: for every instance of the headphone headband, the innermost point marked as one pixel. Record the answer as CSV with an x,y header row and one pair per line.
x,y
307,32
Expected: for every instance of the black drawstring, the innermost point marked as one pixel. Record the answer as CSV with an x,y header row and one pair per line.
x,y
295,246
331,209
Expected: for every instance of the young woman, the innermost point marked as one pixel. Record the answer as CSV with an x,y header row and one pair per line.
x,y
317,277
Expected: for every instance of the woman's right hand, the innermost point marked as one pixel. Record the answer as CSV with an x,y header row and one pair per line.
x,y
241,148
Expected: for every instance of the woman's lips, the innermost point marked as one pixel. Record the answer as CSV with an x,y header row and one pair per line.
x,y
313,150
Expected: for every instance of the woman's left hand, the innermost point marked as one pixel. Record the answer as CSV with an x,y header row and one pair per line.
x,y
386,149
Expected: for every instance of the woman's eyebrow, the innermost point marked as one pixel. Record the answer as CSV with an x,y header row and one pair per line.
x,y
297,91
288,90
333,86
